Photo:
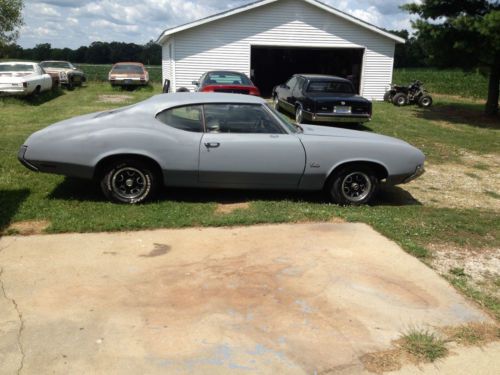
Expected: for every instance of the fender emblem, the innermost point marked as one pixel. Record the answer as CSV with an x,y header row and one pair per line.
x,y
314,165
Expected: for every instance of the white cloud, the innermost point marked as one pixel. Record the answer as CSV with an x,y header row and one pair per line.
x,y
71,23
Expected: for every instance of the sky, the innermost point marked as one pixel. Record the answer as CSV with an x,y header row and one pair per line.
x,y
73,23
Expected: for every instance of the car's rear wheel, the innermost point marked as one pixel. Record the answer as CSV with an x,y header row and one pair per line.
x,y
129,181
425,101
352,186
400,99
299,115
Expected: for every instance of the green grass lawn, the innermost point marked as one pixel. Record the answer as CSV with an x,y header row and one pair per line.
x,y
69,205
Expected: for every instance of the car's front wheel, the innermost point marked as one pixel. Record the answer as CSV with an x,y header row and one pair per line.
x,y
352,186
276,102
129,181
299,115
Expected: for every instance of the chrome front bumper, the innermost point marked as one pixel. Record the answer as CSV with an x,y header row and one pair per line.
x,y
333,117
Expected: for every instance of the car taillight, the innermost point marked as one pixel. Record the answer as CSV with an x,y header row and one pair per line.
x,y
207,89
254,91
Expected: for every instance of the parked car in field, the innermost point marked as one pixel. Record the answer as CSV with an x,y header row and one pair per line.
x,y
128,74
321,98
23,78
69,76
226,81
220,141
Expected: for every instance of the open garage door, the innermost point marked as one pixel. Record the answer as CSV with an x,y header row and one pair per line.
x,y
271,65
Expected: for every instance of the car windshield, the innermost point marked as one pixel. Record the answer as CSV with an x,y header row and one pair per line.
x,y
124,68
57,64
227,78
330,86
285,121
16,68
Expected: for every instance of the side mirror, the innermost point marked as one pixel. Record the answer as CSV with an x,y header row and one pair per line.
x,y
196,83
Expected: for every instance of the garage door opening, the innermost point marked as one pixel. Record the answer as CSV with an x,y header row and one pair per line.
x,y
271,66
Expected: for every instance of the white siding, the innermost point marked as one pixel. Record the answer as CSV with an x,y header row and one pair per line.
x,y
226,43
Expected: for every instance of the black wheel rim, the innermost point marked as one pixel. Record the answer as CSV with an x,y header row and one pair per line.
x,y
128,183
356,186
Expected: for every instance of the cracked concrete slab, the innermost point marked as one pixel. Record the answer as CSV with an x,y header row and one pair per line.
x,y
295,299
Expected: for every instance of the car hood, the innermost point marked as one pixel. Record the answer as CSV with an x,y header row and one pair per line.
x,y
323,131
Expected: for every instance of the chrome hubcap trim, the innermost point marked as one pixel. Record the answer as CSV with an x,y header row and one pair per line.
x,y
128,183
356,186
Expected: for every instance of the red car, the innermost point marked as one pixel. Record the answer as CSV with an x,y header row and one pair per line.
x,y
226,81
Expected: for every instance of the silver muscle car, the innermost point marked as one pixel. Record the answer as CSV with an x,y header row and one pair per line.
x,y
221,141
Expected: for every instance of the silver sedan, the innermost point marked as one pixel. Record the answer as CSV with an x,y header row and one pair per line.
x,y
219,141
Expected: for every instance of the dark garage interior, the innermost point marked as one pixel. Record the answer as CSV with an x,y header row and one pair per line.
x,y
271,66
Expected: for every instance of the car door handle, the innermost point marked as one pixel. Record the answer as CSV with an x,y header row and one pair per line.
x,y
212,144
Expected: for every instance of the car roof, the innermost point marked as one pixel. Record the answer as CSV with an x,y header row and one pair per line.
x,y
129,63
225,72
49,61
170,100
18,62
323,77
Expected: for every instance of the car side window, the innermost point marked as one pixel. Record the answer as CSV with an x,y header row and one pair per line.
x,y
188,118
298,86
240,119
291,83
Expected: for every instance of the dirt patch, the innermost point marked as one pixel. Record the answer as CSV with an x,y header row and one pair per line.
x,y
228,208
113,98
473,334
26,228
474,183
481,267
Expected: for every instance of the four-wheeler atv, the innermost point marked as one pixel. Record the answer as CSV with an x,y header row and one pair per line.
x,y
415,93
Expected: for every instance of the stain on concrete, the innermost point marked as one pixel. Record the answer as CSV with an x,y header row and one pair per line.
x,y
159,249
109,253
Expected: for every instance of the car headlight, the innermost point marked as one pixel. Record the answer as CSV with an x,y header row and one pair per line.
x,y
63,75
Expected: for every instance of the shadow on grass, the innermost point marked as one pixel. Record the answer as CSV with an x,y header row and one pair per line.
x,y
34,100
10,200
85,190
460,114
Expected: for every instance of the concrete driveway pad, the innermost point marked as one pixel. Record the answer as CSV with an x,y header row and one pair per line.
x,y
294,299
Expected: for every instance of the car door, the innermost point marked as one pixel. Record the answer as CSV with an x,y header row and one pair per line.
x,y
245,146
286,95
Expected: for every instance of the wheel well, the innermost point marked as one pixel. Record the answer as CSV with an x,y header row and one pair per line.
x,y
102,165
378,169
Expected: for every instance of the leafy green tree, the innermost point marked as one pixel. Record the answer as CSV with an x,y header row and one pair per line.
x,y
464,34
11,19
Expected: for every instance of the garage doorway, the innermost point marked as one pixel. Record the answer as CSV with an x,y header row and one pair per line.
x,y
271,66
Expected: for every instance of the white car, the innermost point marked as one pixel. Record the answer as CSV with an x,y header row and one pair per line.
x,y
23,78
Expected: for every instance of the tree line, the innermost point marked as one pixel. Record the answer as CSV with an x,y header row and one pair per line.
x,y
95,53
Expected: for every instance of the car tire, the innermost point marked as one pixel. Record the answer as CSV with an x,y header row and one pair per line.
x,y
276,102
299,115
129,181
352,186
425,101
400,99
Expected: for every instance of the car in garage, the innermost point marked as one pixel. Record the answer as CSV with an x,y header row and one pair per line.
x,y
24,78
128,74
226,81
69,76
217,141
321,98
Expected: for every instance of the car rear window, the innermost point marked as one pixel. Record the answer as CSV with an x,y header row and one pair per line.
x,y
330,86
221,78
56,64
16,68
187,118
127,69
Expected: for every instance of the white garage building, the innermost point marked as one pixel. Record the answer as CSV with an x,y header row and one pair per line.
x,y
270,40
